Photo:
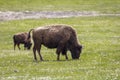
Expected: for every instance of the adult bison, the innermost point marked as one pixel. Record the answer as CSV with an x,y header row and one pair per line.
x,y
21,38
62,37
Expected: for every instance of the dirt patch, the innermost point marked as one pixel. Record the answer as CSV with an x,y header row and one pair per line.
x,y
11,15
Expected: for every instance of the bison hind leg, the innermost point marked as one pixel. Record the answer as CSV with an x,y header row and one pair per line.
x,y
37,46
34,52
38,50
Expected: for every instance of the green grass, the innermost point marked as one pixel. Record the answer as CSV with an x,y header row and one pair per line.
x,y
103,6
100,59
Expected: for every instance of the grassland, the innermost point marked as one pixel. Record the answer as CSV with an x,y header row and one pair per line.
x,y
100,59
102,6
100,37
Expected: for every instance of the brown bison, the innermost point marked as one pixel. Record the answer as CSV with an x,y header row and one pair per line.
x,y
21,38
62,37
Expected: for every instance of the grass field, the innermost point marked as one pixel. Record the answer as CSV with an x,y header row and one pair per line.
x,y
102,6
100,37
100,59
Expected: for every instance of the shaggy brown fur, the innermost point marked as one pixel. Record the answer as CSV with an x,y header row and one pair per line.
x,y
62,37
21,38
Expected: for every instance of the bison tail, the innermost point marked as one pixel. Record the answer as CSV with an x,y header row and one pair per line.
x,y
29,36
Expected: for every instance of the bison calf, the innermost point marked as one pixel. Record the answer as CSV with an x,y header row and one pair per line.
x,y
62,37
21,38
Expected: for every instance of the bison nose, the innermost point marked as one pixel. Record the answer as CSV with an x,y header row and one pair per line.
x,y
75,57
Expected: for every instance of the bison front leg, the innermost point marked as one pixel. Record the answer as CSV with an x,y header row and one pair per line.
x,y
14,45
58,54
62,48
24,47
59,49
64,52
18,46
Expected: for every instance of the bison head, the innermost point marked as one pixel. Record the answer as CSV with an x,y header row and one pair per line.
x,y
28,45
75,52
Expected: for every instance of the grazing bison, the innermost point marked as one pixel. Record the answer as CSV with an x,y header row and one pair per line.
x,y
62,37
21,38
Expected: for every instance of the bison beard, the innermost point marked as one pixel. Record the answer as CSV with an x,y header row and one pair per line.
x,y
62,37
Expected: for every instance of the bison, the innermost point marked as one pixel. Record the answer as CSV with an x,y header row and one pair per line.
x,y
62,37
21,38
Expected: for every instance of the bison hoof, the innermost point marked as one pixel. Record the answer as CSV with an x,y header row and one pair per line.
x,y
41,59
34,60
